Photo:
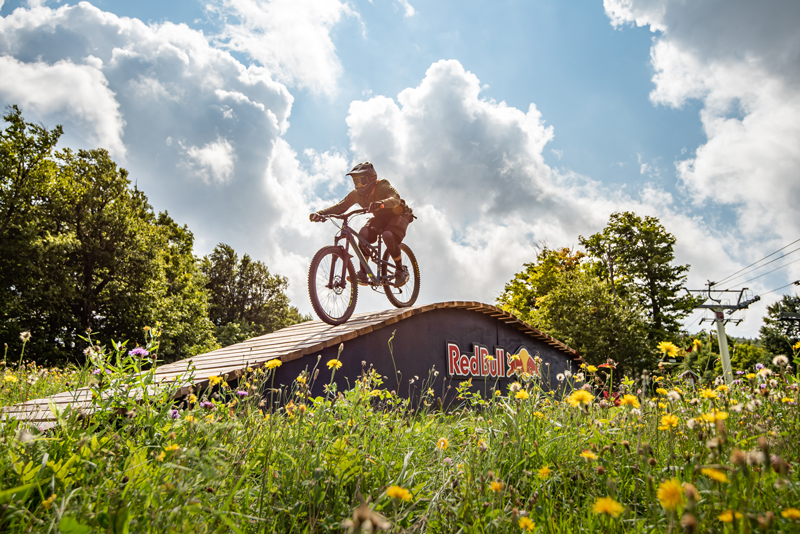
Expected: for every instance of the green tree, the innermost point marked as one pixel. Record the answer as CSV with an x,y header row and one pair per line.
x,y
81,249
641,253
180,295
27,174
562,295
246,300
778,336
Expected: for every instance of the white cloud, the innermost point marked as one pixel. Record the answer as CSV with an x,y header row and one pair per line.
x,y
408,9
187,115
291,38
742,60
78,94
214,161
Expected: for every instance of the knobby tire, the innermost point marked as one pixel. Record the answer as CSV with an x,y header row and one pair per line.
x,y
333,306
402,297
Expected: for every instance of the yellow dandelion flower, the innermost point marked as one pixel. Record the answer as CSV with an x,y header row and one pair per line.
x,y
607,505
334,364
697,344
48,502
544,472
10,378
274,364
496,486
497,393
214,380
161,456
670,494
172,448
521,394
589,455
579,397
629,400
661,391
728,515
192,399
720,416
442,444
525,523
750,376
668,422
668,348
722,388
189,419
787,399
396,492
301,379
540,415
662,406
708,394
591,369
715,474
791,513
796,346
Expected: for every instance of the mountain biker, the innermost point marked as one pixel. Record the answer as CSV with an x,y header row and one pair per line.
x,y
391,215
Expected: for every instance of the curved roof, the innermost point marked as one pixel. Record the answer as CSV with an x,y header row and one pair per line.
x,y
286,344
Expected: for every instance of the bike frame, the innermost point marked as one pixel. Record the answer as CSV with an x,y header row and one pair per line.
x,y
354,239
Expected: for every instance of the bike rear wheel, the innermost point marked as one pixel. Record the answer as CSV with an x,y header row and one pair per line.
x,y
333,295
406,295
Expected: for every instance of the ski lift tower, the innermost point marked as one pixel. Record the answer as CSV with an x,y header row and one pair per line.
x,y
718,307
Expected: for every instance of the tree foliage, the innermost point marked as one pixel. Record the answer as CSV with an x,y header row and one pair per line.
x,y
561,294
778,336
246,300
641,253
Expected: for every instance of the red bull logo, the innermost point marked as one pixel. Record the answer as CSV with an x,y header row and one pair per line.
x,y
481,363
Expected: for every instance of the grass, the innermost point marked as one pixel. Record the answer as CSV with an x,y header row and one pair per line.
x,y
647,457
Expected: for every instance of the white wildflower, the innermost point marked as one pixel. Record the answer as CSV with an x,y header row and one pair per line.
x,y
780,360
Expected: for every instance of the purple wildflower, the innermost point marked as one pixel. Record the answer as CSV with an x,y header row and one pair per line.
x,y
98,371
206,404
739,372
173,414
241,393
759,366
138,351
763,386
448,461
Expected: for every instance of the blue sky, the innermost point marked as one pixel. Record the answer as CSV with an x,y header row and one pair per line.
x,y
502,123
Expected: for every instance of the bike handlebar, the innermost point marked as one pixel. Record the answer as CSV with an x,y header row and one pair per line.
x,y
344,216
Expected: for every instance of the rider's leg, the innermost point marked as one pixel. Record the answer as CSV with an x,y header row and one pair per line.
x,y
393,246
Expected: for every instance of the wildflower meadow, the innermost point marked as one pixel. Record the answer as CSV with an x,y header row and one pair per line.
x,y
647,454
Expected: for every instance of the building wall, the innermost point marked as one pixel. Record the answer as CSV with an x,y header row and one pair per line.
x,y
420,350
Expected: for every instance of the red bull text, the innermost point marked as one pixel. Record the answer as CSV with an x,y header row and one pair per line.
x,y
482,363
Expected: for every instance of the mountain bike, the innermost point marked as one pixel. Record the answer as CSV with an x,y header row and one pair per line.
x,y
332,284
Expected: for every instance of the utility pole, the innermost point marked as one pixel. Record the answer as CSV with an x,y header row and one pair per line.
x,y
719,317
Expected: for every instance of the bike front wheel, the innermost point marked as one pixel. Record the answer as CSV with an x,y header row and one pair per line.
x,y
406,294
331,285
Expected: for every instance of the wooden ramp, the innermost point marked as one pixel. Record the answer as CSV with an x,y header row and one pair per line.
x,y
288,344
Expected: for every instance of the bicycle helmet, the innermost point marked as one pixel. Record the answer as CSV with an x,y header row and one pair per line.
x,y
364,176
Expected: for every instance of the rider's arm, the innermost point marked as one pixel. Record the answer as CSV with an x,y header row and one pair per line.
x,y
341,207
389,196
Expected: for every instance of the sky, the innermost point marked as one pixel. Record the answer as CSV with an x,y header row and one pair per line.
x,y
505,125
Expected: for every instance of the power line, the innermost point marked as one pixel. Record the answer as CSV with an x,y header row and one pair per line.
x,y
795,283
759,261
729,279
772,271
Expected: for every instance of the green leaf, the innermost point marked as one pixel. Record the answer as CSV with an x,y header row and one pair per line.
x,y
70,525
